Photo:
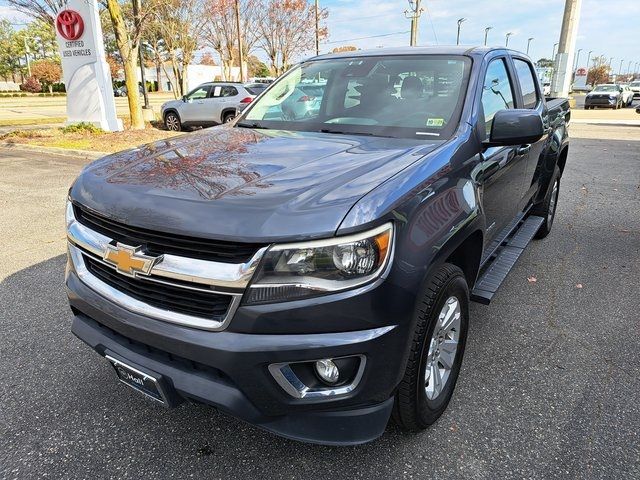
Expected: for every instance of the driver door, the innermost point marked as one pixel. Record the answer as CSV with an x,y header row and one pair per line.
x,y
195,105
502,169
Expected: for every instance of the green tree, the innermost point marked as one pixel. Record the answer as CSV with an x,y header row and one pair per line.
x,y
40,38
544,63
11,52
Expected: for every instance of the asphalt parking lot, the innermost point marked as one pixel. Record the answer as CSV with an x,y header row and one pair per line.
x,y
549,386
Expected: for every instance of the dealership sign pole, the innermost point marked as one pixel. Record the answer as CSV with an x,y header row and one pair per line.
x,y
87,77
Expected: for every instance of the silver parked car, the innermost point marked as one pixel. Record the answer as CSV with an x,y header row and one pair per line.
x,y
208,104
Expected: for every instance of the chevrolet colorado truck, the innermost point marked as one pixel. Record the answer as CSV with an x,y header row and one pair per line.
x,y
311,272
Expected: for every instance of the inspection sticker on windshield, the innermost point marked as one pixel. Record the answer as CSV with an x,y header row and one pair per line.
x,y
435,122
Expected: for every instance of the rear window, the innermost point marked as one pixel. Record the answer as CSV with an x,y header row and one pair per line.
x,y
527,83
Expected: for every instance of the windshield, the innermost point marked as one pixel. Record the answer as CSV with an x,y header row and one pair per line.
x,y
634,84
396,96
606,88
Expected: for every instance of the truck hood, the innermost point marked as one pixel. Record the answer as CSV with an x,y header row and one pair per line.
x,y
243,184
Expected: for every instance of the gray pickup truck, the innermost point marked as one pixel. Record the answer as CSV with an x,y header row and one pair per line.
x,y
309,270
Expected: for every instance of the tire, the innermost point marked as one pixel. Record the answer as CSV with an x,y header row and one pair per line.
x,y
228,117
547,209
417,403
172,122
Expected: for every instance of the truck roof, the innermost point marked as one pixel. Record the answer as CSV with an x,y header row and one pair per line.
x,y
476,51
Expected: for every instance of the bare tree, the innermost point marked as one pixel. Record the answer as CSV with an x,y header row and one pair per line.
x,y
41,9
287,30
181,24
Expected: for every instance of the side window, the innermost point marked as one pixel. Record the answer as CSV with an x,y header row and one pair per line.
x,y
497,92
228,91
199,93
527,83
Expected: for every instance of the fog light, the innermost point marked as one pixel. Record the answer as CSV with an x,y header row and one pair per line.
x,y
327,371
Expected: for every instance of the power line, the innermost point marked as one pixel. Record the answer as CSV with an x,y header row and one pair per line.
x,y
372,36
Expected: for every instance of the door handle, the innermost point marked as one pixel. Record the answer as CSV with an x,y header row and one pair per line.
x,y
523,150
488,171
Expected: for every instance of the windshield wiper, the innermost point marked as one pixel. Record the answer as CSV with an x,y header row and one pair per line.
x,y
340,132
251,125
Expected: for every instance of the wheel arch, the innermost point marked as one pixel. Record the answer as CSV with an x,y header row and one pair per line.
x,y
227,111
171,110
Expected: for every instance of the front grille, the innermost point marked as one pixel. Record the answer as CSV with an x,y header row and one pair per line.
x,y
161,295
157,243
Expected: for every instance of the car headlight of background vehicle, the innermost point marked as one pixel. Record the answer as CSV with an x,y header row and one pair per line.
x,y
298,270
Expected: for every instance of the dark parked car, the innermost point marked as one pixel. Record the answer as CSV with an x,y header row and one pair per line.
x,y
312,276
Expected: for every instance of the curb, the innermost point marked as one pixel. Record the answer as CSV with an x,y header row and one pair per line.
x,y
55,150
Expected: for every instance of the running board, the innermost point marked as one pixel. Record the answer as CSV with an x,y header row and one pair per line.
x,y
498,267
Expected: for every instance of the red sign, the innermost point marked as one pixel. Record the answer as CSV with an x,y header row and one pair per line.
x,y
581,72
70,24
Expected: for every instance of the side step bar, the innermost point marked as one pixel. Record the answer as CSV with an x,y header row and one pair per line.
x,y
498,267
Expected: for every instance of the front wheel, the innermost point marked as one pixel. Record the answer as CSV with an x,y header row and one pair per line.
x,y
436,353
172,122
228,117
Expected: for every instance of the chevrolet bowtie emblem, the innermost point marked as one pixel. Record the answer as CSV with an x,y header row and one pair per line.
x,y
129,261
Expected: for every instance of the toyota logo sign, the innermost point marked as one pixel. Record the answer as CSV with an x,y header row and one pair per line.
x,y
69,24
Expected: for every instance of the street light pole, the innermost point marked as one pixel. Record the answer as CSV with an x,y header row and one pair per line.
x,y
414,14
577,59
26,56
589,58
629,67
620,69
506,43
486,33
460,21
529,43
553,55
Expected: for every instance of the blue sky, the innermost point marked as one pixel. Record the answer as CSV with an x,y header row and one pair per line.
x,y
608,27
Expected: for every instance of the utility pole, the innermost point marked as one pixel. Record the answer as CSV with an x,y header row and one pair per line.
x,y
414,14
506,43
486,34
529,43
240,48
317,29
460,22
562,74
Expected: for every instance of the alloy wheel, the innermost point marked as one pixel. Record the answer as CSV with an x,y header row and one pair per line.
x,y
172,123
443,347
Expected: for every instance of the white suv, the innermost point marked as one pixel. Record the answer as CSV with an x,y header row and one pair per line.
x,y
208,104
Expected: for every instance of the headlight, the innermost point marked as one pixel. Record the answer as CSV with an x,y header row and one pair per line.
x,y
69,217
612,97
297,270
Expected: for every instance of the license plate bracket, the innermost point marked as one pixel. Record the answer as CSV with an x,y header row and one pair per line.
x,y
147,383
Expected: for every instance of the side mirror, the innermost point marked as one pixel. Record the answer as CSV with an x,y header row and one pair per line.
x,y
515,127
184,99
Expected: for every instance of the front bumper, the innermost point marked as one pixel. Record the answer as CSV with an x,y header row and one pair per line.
x,y
230,369
600,102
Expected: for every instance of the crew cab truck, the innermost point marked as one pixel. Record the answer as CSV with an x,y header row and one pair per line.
x,y
311,274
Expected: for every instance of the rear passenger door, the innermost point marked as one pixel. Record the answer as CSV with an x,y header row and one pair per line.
x,y
225,96
530,97
502,169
